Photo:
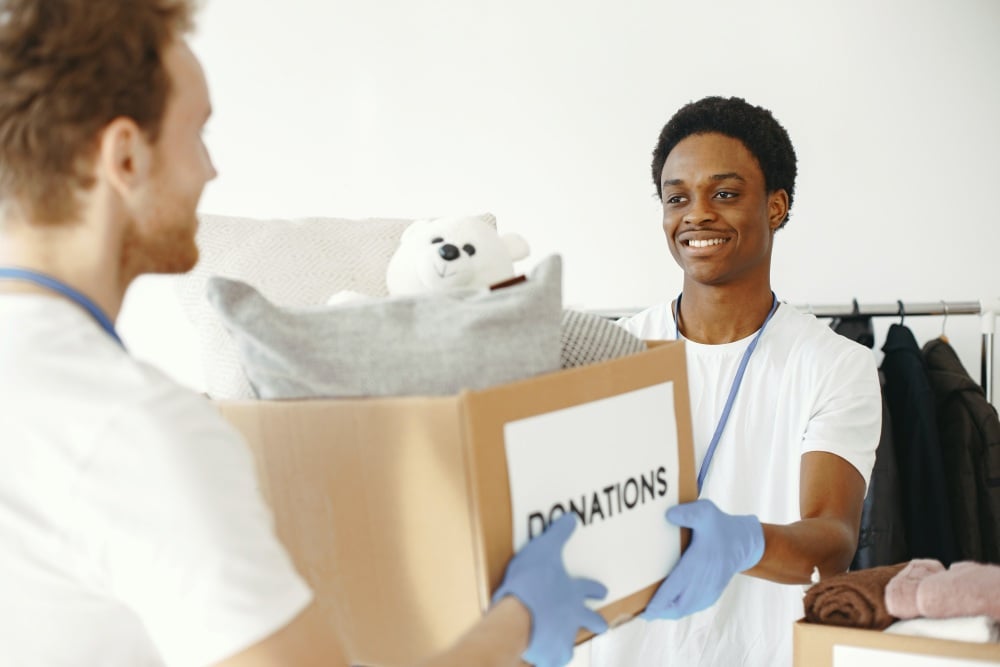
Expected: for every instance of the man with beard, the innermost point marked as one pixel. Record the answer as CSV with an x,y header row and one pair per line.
x,y
132,531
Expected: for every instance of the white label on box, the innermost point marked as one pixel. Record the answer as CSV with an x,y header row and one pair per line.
x,y
854,656
614,463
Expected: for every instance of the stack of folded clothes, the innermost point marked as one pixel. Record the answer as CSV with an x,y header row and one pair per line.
x,y
919,597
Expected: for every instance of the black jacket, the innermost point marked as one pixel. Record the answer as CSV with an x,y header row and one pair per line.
x,y
970,441
882,536
926,510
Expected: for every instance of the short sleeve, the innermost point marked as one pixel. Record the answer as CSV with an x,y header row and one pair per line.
x,y
847,410
654,323
178,531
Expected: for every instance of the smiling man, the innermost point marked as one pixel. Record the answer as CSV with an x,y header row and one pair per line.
x,y
786,414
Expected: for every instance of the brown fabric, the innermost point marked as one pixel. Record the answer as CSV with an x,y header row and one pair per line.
x,y
853,599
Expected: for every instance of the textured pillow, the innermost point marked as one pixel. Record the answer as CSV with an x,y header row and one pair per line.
x,y
291,262
588,338
429,344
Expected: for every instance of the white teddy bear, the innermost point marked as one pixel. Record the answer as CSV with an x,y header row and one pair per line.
x,y
449,253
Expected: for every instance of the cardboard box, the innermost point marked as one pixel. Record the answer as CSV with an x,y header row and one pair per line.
x,y
818,645
398,510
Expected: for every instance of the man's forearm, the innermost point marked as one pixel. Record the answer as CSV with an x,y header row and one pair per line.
x,y
792,551
498,640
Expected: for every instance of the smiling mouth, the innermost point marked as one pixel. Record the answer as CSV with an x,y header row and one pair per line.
x,y
704,243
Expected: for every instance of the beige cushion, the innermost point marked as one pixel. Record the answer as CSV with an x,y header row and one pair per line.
x,y
292,263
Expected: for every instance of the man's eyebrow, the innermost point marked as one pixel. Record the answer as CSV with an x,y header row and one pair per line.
x,y
732,174
715,177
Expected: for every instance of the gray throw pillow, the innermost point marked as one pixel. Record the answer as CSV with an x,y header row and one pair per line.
x,y
588,338
429,344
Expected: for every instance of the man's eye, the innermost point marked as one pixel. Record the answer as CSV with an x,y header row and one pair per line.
x,y
673,199
725,194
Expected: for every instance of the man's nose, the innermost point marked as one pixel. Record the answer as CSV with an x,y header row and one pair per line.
x,y
210,172
700,211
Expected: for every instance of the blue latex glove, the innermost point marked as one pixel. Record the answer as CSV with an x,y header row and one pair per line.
x,y
537,577
721,546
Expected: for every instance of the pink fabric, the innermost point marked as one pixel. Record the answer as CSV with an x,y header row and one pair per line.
x,y
965,589
901,591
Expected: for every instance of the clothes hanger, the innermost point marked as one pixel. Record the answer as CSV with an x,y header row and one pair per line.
x,y
902,311
943,336
855,326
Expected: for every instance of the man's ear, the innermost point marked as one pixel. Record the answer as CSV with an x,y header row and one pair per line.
x,y
124,156
777,208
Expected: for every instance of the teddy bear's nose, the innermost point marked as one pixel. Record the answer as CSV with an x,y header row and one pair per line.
x,y
448,252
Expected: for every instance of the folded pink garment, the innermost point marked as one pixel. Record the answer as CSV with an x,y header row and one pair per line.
x,y
901,591
965,589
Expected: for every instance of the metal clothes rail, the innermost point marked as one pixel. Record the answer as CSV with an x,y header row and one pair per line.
x,y
987,309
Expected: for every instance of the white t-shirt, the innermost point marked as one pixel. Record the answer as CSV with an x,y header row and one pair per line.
x,y
132,530
805,389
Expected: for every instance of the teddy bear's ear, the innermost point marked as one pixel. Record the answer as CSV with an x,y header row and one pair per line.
x,y
517,247
412,230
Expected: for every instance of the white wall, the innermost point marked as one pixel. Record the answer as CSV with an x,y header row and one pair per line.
x,y
545,113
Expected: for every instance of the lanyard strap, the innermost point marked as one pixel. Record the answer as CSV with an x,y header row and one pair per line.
x,y
51,283
720,427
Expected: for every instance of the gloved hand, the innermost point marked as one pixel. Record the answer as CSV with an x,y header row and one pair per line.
x,y
537,577
721,546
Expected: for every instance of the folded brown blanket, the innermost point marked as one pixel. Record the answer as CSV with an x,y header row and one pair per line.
x,y
901,591
853,599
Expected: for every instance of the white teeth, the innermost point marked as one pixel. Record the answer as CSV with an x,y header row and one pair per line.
x,y
704,243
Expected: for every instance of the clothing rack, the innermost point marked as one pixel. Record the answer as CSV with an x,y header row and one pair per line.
x,y
987,309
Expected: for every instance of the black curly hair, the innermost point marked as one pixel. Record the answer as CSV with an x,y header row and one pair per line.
x,y
734,117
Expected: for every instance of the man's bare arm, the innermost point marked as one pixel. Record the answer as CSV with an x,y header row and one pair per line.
x,y
831,496
497,640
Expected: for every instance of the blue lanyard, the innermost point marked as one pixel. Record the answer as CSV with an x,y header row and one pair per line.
x,y
51,283
732,391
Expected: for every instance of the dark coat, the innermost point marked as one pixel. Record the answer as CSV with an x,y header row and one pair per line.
x,y
882,536
970,441
926,510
